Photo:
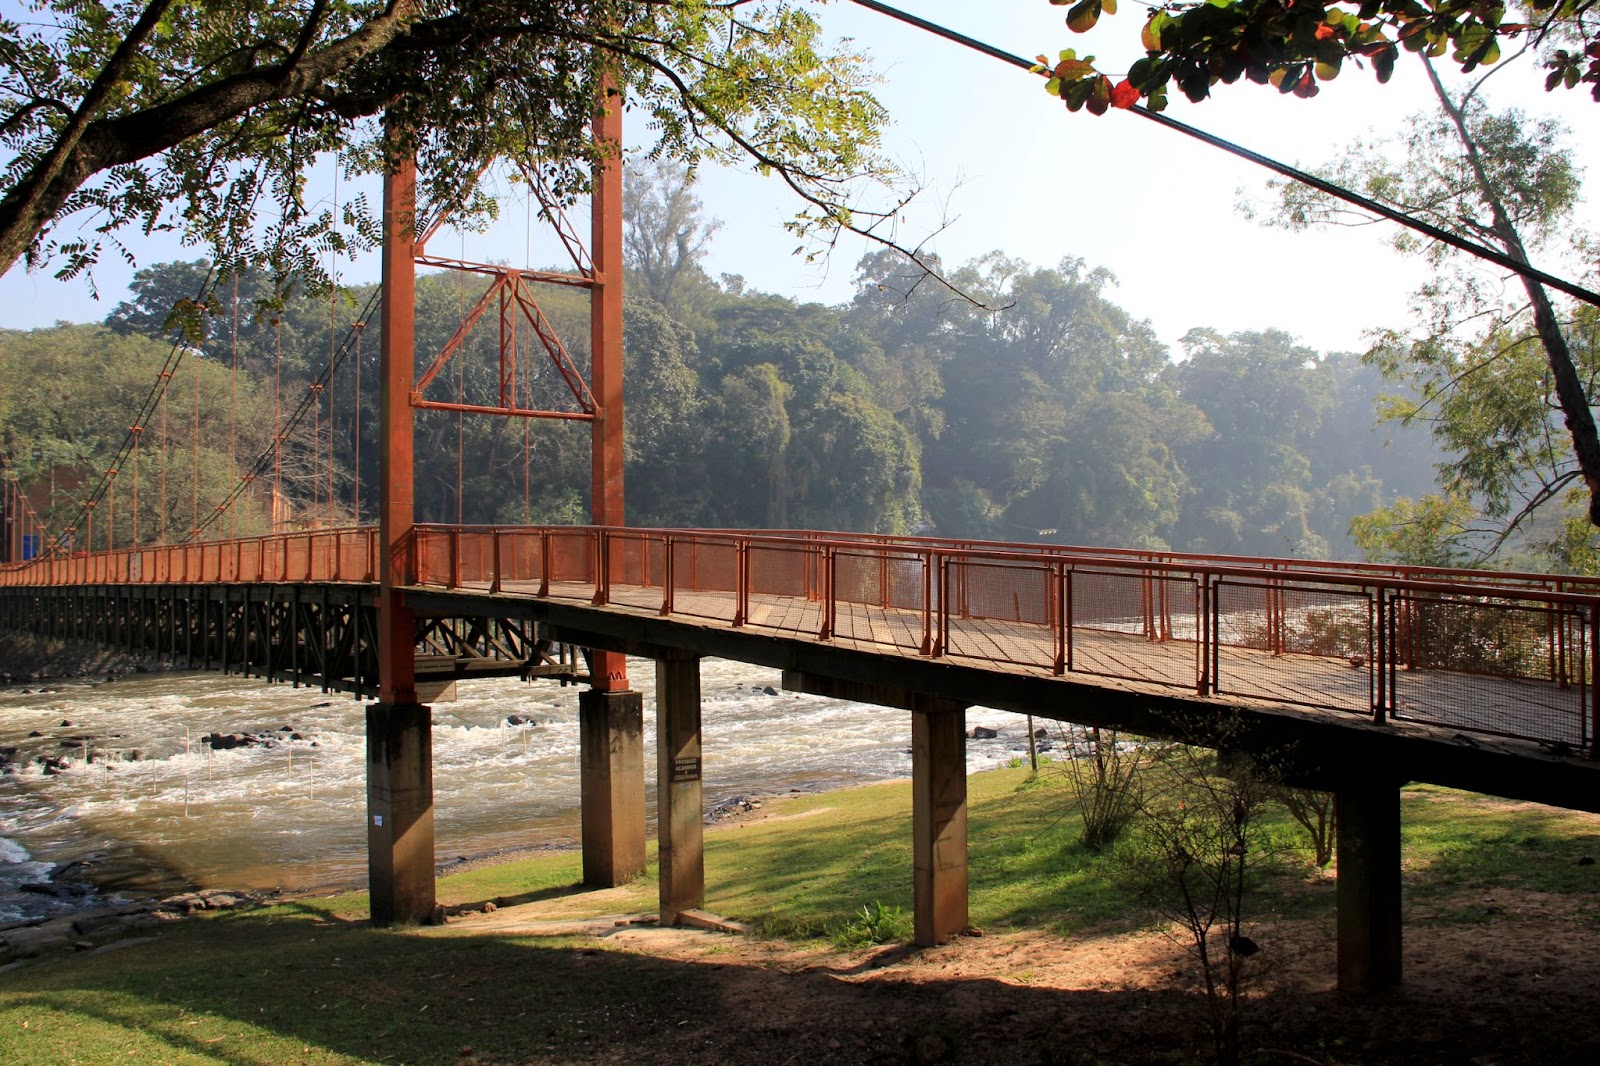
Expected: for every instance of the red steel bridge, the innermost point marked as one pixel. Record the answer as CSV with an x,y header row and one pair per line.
x,y
1349,677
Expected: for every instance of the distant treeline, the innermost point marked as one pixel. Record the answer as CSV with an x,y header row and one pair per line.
x,y
1042,411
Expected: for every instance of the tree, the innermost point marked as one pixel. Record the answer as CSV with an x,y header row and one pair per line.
x,y
1264,400
1294,46
203,116
1195,849
1494,377
665,233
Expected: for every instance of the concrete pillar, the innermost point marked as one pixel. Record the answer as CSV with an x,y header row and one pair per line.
x,y
611,762
1368,891
400,812
939,819
679,800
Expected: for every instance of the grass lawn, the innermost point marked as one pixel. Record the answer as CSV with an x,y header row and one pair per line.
x,y
306,982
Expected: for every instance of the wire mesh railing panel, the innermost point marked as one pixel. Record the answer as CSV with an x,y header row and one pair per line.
x,y
572,565
785,587
1119,601
1001,611
351,561
272,560
637,559
475,558
1000,590
521,559
1296,644
705,578
909,580
1477,635
864,594
638,571
250,561
1494,666
1134,626
784,570
297,558
430,550
859,578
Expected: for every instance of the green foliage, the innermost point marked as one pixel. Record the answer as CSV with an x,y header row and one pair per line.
x,y
874,924
1318,814
1425,532
70,392
1058,419
1502,385
1197,44
203,117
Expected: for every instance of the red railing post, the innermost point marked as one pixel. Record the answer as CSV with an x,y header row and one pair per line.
x,y
1593,659
741,580
669,578
829,605
927,603
602,568
494,548
455,557
1385,654
1058,615
544,561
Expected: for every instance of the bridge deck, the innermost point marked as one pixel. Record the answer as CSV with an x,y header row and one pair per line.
x,y
1552,713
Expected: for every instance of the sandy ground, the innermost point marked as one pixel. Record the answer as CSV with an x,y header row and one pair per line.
x,y
1517,982
1522,988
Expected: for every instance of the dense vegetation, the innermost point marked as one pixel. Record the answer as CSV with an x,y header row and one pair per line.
x,y
1058,418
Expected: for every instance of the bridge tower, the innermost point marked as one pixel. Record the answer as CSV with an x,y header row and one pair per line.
x,y
399,727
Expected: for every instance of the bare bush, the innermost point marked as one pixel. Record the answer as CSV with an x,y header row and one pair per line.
x,y
1102,766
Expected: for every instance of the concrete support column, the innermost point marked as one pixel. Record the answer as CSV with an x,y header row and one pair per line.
x,y
400,812
679,800
939,818
1368,891
611,762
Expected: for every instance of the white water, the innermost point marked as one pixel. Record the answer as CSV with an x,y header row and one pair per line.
x,y
293,815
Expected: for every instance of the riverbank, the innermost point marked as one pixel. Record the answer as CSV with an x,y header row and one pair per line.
x,y
1501,958
26,659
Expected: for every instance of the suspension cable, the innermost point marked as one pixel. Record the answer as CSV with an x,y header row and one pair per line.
x,y
156,396
233,394
271,456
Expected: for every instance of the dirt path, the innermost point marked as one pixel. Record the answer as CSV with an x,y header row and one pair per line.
x,y
1522,988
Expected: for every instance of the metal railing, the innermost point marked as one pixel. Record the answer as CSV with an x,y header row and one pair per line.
x,y
1482,652
339,555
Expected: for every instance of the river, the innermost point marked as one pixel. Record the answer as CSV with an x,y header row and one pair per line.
x,y
292,815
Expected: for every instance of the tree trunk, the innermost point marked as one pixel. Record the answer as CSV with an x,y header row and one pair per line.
x,y
1569,386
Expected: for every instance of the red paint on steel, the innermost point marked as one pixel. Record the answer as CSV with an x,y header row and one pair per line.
x,y
396,645
605,333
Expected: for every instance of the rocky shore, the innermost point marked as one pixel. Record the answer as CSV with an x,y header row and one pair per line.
x,y
106,928
26,658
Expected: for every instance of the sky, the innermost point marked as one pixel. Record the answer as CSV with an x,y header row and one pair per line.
x,y
1005,167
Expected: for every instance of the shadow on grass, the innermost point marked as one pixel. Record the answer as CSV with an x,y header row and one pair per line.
x,y
531,896
290,993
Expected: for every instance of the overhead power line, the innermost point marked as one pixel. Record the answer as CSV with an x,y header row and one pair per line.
x,y
1482,251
